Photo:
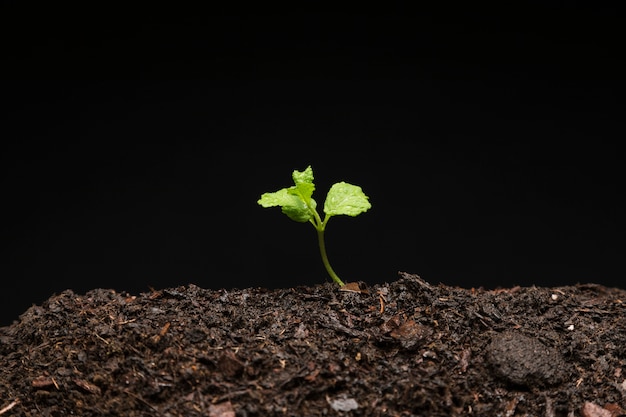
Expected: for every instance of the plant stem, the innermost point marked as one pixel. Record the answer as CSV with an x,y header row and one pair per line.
x,y
320,239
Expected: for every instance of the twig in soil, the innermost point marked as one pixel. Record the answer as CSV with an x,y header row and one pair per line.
x,y
156,338
141,400
382,299
10,406
230,395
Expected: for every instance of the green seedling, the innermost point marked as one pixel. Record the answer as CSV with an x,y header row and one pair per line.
x,y
296,202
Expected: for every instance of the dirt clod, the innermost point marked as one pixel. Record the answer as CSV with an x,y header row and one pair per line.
x,y
524,360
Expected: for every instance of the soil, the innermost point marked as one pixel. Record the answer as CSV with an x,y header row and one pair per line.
x,y
404,348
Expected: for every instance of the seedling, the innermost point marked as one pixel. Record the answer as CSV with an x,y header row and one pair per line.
x,y
296,202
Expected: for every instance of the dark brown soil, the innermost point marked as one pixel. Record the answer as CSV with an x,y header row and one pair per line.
x,y
405,348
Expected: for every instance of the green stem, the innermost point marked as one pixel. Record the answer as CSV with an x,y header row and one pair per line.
x,y
320,239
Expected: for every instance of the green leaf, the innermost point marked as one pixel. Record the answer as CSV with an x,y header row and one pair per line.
x,y
299,211
303,191
304,177
290,202
279,198
295,201
347,199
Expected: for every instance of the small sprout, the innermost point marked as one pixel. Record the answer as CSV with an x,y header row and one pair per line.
x,y
296,202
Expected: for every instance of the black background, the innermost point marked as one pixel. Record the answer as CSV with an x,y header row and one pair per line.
x,y
136,145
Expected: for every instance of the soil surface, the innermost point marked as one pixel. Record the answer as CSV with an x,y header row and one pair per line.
x,y
404,348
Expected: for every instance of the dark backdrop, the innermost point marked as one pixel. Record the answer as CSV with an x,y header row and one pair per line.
x,y
488,142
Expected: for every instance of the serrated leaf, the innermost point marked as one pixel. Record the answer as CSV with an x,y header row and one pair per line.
x,y
346,199
295,201
302,190
300,210
278,198
290,202
304,177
